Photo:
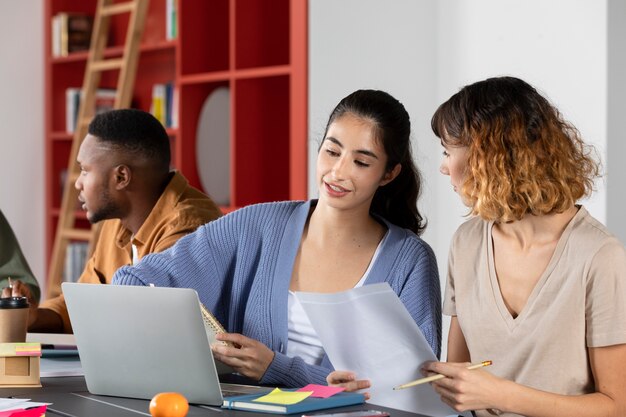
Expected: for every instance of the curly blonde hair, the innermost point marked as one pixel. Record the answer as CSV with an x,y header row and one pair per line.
x,y
523,157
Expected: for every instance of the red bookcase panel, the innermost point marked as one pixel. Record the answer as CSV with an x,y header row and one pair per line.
x,y
204,36
263,142
262,33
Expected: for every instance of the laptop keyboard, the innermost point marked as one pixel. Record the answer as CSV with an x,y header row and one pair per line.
x,y
231,390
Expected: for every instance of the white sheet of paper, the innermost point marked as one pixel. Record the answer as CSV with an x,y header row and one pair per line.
x,y
9,404
368,330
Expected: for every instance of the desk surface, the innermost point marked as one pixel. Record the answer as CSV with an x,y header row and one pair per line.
x,y
70,398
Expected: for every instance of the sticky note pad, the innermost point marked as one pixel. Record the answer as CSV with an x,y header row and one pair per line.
x,y
284,397
321,391
20,349
28,349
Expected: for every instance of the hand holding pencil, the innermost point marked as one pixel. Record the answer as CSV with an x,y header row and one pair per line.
x,y
438,376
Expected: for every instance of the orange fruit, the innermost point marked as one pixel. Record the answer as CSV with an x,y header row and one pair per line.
x,y
169,404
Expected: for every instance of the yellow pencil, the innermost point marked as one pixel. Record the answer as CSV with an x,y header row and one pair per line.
x,y
438,376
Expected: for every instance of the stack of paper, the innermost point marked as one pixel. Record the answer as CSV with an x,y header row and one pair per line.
x,y
21,407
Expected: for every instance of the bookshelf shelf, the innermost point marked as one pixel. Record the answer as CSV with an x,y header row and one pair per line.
x,y
254,49
61,136
264,71
233,75
116,51
214,76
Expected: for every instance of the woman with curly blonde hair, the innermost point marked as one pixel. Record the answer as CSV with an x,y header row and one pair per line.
x,y
535,283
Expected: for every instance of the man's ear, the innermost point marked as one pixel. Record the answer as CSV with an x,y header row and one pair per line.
x,y
390,175
122,175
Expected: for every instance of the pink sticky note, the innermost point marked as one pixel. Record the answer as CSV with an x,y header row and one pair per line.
x,y
30,412
322,391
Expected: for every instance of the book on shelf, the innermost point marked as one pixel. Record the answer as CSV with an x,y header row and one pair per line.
x,y
173,109
75,259
105,101
164,102
248,403
72,101
71,32
157,108
171,29
169,100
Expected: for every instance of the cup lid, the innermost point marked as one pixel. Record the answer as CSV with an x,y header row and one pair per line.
x,y
13,302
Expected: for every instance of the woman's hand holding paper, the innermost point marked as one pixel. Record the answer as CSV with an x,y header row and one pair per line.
x,y
348,380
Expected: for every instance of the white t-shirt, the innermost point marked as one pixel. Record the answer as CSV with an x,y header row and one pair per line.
x,y
302,339
135,253
578,302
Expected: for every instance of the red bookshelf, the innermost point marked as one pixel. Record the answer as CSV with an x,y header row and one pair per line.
x,y
255,48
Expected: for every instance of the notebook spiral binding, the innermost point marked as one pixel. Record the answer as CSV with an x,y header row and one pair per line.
x,y
213,323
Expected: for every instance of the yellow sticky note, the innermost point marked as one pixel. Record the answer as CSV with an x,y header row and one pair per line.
x,y
284,397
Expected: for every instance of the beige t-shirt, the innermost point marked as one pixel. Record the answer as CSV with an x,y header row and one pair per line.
x,y
578,302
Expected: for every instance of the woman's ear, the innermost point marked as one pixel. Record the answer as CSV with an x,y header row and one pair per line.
x,y
390,175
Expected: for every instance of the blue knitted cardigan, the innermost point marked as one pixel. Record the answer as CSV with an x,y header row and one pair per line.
x,y
241,266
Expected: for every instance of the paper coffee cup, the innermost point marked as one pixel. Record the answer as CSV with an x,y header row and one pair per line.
x,y
13,319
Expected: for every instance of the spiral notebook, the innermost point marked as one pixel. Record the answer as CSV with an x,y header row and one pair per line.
x,y
212,325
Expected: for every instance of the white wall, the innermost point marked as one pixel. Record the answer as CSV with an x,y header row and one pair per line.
x,y
359,44
616,147
429,49
21,124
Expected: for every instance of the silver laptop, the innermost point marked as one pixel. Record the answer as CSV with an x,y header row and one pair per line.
x,y
139,341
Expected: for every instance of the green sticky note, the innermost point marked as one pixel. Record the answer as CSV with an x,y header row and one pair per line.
x,y
284,397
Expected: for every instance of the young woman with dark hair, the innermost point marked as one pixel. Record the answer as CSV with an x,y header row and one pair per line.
x,y
247,265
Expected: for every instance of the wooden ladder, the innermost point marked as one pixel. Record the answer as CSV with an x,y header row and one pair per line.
x,y
96,64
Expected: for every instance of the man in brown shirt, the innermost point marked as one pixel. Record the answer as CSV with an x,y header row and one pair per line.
x,y
125,181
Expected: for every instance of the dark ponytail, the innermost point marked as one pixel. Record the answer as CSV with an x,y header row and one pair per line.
x,y
397,200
